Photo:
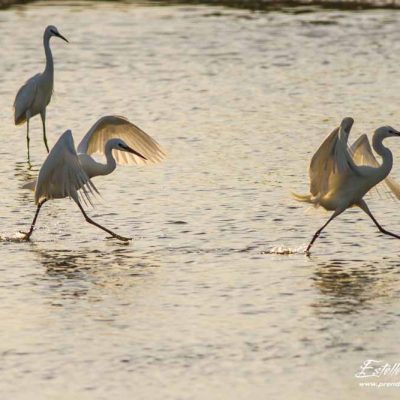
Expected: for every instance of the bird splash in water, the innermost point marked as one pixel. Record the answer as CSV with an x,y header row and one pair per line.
x,y
34,96
341,176
67,172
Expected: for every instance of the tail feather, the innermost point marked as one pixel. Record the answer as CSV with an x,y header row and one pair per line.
x,y
30,185
305,198
19,119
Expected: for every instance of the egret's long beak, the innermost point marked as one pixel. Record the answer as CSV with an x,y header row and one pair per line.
x,y
62,37
130,150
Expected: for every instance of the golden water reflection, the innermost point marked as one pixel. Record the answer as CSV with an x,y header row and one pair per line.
x,y
352,286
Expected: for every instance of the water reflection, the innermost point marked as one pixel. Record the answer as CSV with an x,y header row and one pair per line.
x,y
77,272
348,288
294,7
288,6
24,173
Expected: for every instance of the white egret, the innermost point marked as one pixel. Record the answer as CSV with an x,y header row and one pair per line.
x,y
66,171
34,96
341,176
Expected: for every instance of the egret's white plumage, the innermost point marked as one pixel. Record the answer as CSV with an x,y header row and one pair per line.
x,y
62,174
112,127
341,176
68,173
24,103
34,96
362,154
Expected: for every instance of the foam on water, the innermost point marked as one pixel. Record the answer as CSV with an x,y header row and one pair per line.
x,y
283,250
16,237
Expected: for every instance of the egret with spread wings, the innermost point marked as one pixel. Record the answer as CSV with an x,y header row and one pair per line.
x,y
341,176
34,96
67,172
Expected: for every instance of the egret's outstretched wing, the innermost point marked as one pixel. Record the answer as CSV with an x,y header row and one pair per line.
x,y
363,155
24,99
331,158
362,152
113,127
62,175
322,164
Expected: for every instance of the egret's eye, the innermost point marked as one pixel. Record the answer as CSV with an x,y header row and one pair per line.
x,y
390,131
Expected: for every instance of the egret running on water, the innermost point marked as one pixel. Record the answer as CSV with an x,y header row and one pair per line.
x,y
66,171
34,96
341,176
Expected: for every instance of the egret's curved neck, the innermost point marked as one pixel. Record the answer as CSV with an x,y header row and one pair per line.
x,y
49,57
387,157
94,168
111,164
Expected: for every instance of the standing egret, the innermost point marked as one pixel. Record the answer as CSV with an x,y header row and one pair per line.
x,y
340,177
66,171
34,96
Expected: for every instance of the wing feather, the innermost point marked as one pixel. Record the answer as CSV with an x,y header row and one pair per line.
x,y
62,175
332,158
322,164
111,127
24,99
363,155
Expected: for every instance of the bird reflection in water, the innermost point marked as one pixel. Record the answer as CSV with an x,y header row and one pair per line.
x,y
76,272
348,289
24,173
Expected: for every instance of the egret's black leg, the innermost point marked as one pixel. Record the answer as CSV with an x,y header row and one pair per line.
x,y
28,234
101,227
334,215
28,139
363,205
43,116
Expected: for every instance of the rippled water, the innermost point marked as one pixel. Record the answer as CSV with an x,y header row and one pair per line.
x,y
214,299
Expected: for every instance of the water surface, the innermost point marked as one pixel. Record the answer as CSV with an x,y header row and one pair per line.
x,y
198,306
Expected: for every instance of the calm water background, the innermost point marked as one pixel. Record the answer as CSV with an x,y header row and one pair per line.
x,y
197,307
